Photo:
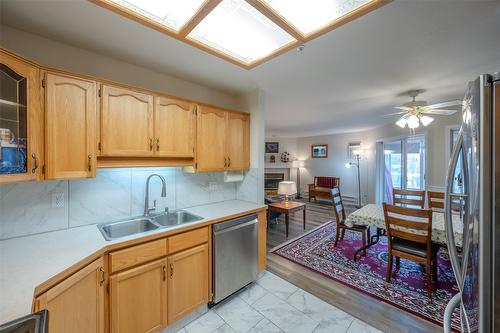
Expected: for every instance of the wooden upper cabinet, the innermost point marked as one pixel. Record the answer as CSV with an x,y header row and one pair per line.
x,y
238,141
174,128
223,140
70,130
21,120
187,282
76,304
211,139
126,122
138,299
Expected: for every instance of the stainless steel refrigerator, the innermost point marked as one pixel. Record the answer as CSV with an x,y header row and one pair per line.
x,y
477,265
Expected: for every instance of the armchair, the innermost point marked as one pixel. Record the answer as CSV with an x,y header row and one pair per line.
x,y
322,187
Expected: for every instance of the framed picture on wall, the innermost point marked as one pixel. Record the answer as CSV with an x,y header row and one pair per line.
x,y
272,147
319,151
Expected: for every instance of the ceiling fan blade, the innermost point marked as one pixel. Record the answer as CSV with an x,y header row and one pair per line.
x,y
456,102
394,113
440,112
403,108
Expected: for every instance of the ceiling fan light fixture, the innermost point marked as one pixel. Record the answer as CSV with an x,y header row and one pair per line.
x,y
426,120
413,121
401,122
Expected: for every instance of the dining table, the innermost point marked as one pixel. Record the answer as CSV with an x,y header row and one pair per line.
x,y
373,215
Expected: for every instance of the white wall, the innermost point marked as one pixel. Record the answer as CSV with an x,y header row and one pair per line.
x,y
251,188
437,155
285,145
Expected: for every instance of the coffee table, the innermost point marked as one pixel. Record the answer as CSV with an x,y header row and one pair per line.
x,y
287,208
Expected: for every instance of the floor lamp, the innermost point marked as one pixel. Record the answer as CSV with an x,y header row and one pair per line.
x,y
356,152
299,164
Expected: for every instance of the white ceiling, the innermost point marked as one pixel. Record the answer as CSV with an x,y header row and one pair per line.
x,y
343,81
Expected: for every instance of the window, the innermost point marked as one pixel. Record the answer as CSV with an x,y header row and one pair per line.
x,y
309,18
171,13
404,164
241,31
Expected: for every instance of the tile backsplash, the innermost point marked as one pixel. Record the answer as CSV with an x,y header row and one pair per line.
x,y
28,208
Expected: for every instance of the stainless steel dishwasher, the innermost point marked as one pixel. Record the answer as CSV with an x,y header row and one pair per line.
x,y
235,255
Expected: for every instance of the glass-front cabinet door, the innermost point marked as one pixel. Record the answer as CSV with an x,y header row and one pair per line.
x,y
20,120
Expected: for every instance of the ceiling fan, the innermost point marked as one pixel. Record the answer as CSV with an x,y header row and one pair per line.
x,y
416,112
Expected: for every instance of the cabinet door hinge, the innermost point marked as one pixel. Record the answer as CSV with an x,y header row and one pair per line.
x,y
107,288
99,92
43,83
99,146
43,169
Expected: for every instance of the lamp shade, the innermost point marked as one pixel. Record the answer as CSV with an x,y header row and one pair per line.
x,y
287,188
298,164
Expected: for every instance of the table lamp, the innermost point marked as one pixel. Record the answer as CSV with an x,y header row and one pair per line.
x,y
287,188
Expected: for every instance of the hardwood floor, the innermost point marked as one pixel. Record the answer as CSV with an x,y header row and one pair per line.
x,y
385,317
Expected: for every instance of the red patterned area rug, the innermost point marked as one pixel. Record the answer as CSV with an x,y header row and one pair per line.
x,y
407,289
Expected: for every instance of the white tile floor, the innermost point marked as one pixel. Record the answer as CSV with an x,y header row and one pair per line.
x,y
273,305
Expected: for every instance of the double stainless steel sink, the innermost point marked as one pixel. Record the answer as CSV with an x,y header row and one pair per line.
x,y
144,224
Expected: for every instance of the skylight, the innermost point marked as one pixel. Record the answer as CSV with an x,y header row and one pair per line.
x,y
239,30
244,32
309,16
171,13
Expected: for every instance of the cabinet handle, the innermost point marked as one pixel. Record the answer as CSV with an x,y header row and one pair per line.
x,y
35,163
151,144
171,271
164,273
90,162
225,161
158,144
101,272
228,161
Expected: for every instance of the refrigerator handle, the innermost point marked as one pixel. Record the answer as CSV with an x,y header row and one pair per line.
x,y
448,223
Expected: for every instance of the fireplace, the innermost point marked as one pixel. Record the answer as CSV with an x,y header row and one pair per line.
x,y
271,180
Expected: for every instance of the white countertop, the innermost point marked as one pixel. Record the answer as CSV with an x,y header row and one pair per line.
x,y
26,262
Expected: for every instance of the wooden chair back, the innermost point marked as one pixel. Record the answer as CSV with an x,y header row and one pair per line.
x,y
338,205
408,223
435,201
408,198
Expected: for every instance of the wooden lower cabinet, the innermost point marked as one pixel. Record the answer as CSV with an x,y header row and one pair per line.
x,y
187,281
76,304
138,299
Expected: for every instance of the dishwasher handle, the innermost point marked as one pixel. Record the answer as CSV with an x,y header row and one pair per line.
x,y
244,220
235,227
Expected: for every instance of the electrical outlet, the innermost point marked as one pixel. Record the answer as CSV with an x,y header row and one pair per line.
x,y
57,200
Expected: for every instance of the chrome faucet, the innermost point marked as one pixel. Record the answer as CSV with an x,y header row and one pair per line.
x,y
148,210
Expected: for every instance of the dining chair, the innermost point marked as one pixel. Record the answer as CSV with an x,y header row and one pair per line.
x,y
409,233
407,198
435,201
338,207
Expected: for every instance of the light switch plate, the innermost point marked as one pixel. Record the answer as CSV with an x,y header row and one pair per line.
x,y
57,200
